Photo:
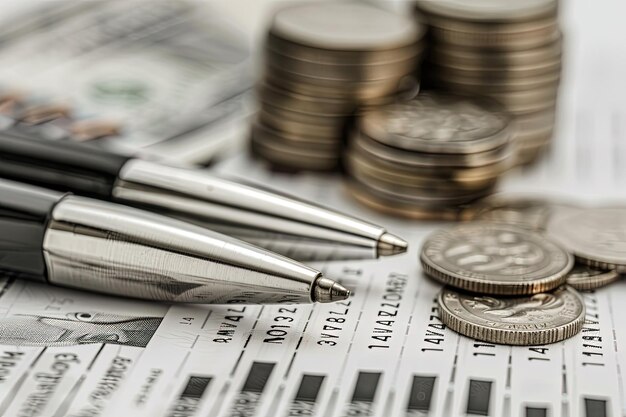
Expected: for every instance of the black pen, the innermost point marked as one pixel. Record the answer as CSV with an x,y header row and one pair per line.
x,y
280,223
93,245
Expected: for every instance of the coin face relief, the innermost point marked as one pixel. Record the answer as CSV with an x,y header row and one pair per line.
x,y
596,236
493,258
439,123
531,320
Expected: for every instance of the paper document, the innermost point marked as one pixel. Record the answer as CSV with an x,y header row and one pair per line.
x,y
384,352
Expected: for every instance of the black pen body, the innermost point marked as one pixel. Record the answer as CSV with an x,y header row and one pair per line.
x,y
59,165
24,216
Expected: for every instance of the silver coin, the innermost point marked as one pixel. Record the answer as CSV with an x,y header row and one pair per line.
x,y
380,204
596,236
297,115
586,278
328,88
296,160
494,38
348,25
495,258
352,72
264,132
299,129
467,178
503,81
421,196
535,36
341,57
435,160
490,10
532,60
439,123
285,99
527,321
538,122
500,72
358,163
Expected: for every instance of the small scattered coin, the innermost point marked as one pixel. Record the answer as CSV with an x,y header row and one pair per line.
x,y
585,278
536,319
596,236
494,258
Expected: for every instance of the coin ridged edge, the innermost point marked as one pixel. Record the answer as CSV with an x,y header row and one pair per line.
x,y
510,337
493,288
601,264
595,282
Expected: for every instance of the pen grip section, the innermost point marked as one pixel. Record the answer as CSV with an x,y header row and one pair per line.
x,y
60,165
24,215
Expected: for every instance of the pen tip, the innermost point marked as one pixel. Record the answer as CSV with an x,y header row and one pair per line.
x,y
326,291
389,244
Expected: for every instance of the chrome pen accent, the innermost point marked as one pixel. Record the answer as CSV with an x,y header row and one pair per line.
x,y
281,223
93,245
115,249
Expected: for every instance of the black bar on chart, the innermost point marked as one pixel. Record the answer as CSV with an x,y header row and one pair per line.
x,y
421,393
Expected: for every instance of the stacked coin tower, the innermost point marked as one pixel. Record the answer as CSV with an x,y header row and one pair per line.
x,y
427,157
507,50
323,62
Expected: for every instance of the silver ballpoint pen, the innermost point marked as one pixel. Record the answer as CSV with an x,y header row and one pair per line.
x,y
93,245
281,223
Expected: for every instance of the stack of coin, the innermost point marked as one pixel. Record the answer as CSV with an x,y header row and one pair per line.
x,y
323,62
505,284
507,50
427,157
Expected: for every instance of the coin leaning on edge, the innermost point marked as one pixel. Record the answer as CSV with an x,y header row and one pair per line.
x,y
538,319
596,236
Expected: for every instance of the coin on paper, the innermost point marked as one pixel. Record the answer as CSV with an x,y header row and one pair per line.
x,y
530,320
596,236
494,258
586,278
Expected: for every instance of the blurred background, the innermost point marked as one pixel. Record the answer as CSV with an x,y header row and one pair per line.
x,y
184,81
